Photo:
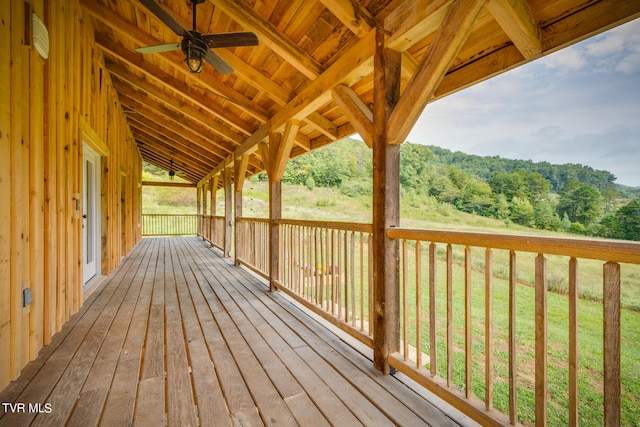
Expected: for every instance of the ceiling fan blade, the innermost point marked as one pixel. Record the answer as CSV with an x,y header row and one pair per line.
x,y
217,62
230,39
164,16
159,48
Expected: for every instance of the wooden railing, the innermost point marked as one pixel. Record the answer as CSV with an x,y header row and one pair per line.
x,y
211,228
252,244
326,267
476,318
169,225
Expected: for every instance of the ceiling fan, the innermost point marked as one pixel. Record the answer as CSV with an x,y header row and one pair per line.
x,y
197,48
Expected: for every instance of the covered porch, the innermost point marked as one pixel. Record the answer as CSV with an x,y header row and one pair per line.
x,y
177,334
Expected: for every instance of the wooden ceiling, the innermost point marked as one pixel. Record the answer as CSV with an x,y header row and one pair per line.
x,y
312,72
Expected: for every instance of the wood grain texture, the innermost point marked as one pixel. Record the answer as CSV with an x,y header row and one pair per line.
x,y
253,357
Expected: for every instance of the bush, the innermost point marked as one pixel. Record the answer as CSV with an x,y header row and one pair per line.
x,y
576,228
325,202
310,183
353,188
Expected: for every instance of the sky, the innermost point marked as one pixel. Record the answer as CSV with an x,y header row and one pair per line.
x,y
578,105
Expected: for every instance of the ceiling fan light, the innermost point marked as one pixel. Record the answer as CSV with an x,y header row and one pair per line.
x,y
194,52
194,64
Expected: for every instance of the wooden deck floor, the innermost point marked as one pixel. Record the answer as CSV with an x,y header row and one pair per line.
x,y
179,336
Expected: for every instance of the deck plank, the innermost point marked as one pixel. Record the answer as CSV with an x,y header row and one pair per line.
x,y
212,409
120,404
63,361
94,392
181,407
181,336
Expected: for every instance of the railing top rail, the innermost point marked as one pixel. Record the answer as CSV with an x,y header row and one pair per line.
x,y
247,219
348,226
605,250
169,215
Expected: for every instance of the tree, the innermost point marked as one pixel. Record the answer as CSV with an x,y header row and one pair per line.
x,y
625,223
581,202
477,199
546,217
500,207
522,211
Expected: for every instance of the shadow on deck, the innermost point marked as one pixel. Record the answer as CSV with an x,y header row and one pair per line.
x,y
178,335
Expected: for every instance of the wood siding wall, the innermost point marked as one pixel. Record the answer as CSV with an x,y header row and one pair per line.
x,y
48,108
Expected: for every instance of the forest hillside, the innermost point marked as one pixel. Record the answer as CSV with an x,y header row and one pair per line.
x,y
438,184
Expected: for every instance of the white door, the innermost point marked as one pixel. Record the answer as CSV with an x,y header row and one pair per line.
x,y
90,215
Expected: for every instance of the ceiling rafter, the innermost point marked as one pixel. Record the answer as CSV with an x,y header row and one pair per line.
x,y
449,38
271,37
173,59
170,100
187,138
163,145
517,20
356,17
357,112
173,85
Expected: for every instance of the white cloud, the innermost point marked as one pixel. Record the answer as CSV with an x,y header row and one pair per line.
x,y
567,60
578,105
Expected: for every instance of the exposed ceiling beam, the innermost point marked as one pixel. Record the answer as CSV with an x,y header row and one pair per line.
x,y
412,21
174,60
271,37
578,26
284,150
448,40
517,20
149,142
171,108
356,17
180,141
172,85
356,111
322,125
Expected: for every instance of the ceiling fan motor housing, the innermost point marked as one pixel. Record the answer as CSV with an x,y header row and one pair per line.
x,y
194,49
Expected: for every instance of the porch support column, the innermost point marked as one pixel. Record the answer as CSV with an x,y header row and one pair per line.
x,y
386,207
279,154
228,211
275,213
199,210
240,170
213,184
206,230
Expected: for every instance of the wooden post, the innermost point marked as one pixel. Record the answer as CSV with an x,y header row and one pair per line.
x,y
275,213
228,212
240,173
7,372
213,185
541,340
199,209
386,207
612,347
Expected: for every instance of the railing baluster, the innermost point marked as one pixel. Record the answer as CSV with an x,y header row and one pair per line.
x,y
405,300
467,320
433,349
611,296
361,281
488,328
353,279
449,315
573,342
418,307
541,340
513,397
